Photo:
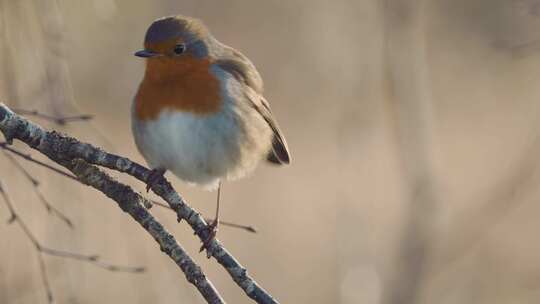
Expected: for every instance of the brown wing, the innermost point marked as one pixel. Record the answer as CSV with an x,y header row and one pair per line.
x,y
280,151
241,68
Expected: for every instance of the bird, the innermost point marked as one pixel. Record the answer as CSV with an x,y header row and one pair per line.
x,y
199,111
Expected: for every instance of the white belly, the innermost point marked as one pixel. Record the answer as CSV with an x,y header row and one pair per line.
x,y
204,149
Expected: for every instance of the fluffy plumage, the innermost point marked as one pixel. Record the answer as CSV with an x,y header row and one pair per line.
x,y
201,114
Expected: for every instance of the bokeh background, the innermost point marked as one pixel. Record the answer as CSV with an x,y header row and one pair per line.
x,y
414,128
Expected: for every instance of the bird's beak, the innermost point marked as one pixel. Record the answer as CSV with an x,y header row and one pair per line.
x,y
147,53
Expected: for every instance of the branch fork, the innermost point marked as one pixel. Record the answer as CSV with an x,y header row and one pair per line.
x,y
84,160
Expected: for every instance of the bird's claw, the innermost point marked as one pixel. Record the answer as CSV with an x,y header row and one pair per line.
x,y
212,232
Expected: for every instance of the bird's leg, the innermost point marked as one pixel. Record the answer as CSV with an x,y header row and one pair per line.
x,y
154,177
213,225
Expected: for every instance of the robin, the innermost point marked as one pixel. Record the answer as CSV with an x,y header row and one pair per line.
x,y
199,110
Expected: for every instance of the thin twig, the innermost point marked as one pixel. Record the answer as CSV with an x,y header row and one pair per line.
x,y
28,157
7,200
43,250
247,228
63,150
36,186
235,225
45,277
60,120
92,259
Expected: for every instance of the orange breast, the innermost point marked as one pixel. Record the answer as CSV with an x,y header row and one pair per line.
x,y
183,84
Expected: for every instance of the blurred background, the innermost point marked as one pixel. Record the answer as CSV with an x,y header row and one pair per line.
x,y
414,127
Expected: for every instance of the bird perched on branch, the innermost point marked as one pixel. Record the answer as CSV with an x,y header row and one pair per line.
x,y
199,110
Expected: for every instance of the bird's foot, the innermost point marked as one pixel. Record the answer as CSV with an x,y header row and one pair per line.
x,y
212,232
154,177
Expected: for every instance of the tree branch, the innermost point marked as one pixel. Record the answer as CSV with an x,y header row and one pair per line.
x,y
28,157
133,204
70,153
129,202
60,120
246,228
42,250
51,209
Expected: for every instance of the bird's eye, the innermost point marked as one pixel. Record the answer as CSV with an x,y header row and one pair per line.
x,y
179,48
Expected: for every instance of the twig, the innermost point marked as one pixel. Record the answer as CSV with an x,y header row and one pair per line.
x,y
63,150
134,204
45,277
247,228
28,157
235,225
42,250
92,259
60,120
35,185
4,146
7,200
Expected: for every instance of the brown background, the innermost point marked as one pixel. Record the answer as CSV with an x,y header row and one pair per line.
x,y
413,127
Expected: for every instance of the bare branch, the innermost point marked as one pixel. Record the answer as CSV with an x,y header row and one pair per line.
x,y
42,250
247,228
7,200
92,259
4,146
64,150
133,203
28,157
235,225
60,120
45,277
35,185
